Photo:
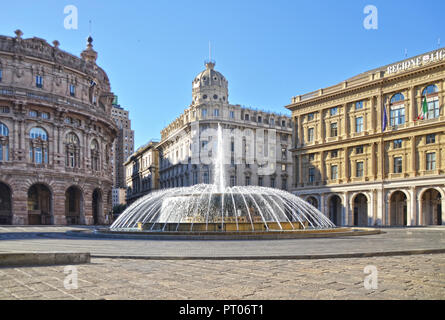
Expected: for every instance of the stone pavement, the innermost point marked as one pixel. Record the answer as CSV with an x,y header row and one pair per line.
x,y
53,238
404,277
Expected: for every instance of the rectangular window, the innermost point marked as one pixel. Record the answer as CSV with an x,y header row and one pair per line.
x,y
359,150
4,109
216,113
1,75
359,105
232,114
72,90
398,165
359,169
204,113
272,122
39,81
433,109
397,144
333,111
334,172
431,138
206,178
359,124
311,157
397,115
247,181
283,167
246,117
272,182
334,129
310,117
260,119
310,134
334,154
311,174
232,181
284,183
45,115
38,155
283,123
431,161
260,181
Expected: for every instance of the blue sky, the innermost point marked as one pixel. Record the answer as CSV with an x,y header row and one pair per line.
x,y
268,50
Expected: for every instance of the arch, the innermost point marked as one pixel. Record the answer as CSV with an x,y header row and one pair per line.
x,y
4,130
313,201
38,133
398,97
335,205
5,204
97,205
95,155
39,204
74,205
38,145
72,150
429,90
398,206
360,210
431,206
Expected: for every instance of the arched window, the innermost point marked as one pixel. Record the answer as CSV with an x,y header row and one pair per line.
x,y
397,110
72,148
430,98
38,145
4,142
94,148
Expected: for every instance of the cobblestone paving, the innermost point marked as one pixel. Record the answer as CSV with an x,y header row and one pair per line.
x,y
406,277
54,238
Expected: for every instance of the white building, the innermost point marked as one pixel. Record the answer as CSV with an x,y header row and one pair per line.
x,y
249,136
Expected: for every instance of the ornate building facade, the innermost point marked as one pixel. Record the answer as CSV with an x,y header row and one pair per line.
x,y
142,171
370,150
56,134
247,133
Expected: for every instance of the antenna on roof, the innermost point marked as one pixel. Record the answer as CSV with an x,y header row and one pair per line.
x,y
90,27
210,51
406,53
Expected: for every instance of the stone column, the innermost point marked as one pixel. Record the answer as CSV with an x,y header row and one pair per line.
x,y
347,210
347,130
411,214
322,168
413,156
371,208
373,161
300,131
300,170
381,208
373,102
346,166
379,111
412,114
322,128
295,132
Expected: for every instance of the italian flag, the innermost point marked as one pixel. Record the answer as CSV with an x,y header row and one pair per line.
x,y
424,110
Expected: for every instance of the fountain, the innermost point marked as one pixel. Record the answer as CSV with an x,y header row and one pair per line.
x,y
219,209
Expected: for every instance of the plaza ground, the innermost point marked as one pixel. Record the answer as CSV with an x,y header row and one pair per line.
x,y
399,277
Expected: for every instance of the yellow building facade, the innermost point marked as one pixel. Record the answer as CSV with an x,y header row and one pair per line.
x,y
370,150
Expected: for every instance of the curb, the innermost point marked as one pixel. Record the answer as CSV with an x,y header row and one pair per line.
x,y
283,257
43,259
97,234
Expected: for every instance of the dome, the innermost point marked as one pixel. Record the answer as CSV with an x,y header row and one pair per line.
x,y
210,85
